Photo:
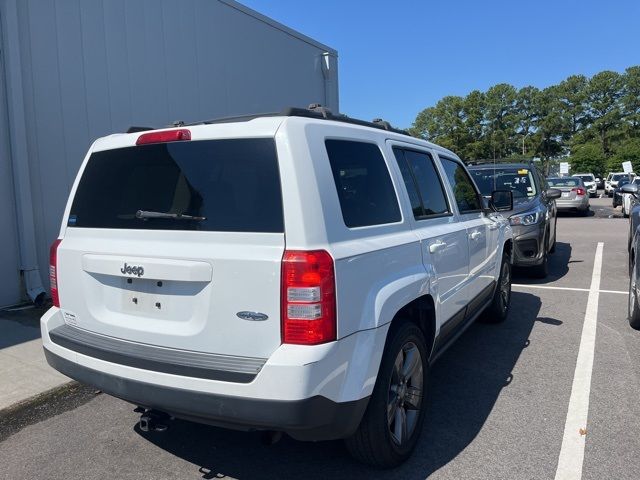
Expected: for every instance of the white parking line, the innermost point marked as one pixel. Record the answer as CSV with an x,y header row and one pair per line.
x,y
545,287
571,455
614,291
573,289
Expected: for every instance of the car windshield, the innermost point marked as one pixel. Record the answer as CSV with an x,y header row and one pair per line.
x,y
517,180
619,176
564,182
586,178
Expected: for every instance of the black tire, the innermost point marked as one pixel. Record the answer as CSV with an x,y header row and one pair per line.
x,y
555,238
498,311
373,443
634,309
542,270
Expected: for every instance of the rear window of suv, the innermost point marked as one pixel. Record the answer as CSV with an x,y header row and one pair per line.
x,y
230,185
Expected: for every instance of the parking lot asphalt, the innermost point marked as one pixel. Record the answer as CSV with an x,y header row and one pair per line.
x,y
497,408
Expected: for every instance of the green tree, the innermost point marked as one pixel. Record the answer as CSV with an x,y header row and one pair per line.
x,y
500,118
589,158
628,150
572,95
474,111
592,121
547,140
603,111
526,113
631,100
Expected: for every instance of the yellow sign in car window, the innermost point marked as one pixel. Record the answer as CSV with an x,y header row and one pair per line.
x,y
523,171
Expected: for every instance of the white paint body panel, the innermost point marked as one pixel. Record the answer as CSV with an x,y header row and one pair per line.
x,y
211,276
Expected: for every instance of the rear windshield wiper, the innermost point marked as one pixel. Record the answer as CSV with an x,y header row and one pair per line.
x,y
143,214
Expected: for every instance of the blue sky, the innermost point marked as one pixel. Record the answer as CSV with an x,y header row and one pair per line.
x,y
398,57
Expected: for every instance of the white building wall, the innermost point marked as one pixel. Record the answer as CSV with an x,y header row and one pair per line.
x,y
87,68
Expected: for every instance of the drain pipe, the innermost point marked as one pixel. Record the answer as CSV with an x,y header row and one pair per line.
x,y
20,156
330,74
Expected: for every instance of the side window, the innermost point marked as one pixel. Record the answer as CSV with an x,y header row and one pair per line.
x,y
409,182
423,183
464,191
544,185
364,186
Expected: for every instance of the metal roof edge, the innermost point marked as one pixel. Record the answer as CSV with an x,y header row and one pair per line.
x,y
279,26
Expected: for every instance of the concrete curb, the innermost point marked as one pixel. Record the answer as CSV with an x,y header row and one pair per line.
x,y
45,405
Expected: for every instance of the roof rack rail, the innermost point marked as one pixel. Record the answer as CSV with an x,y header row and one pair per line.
x,y
491,161
315,110
386,125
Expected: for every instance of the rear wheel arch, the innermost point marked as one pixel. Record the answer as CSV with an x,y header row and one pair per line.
x,y
421,312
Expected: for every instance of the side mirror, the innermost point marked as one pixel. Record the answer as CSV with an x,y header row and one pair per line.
x,y
553,193
501,200
629,188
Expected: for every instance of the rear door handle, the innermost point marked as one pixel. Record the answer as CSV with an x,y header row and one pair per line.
x,y
437,246
475,235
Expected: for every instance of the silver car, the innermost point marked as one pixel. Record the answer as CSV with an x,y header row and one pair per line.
x,y
574,195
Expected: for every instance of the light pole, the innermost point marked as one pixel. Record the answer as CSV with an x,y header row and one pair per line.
x,y
523,137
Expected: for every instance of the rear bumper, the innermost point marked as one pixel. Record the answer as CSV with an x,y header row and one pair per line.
x,y
311,392
315,418
581,204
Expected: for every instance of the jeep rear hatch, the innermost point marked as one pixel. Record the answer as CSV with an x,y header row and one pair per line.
x,y
167,243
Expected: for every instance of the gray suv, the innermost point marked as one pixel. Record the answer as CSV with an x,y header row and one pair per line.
x,y
533,217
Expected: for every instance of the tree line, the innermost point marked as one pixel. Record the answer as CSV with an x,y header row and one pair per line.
x,y
593,122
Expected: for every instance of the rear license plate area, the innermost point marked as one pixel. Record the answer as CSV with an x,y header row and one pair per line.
x,y
145,296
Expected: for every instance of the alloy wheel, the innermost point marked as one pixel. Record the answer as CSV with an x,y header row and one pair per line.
x,y
505,286
405,393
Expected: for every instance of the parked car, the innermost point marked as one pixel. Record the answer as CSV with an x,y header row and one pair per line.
x,y
634,248
628,199
617,197
574,197
632,189
533,217
612,182
590,182
294,273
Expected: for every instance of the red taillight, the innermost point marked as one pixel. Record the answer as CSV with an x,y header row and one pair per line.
x,y
579,191
164,136
308,306
53,272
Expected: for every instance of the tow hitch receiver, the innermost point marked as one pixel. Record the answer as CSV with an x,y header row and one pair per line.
x,y
154,421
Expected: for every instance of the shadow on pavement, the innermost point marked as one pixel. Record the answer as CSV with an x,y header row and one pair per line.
x,y
464,386
558,267
573,213
19,326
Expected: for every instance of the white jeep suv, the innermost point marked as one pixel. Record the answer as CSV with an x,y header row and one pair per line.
x,y
294,273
